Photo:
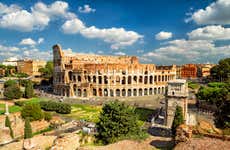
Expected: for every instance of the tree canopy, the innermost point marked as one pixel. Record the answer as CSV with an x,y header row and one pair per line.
x,y
117,121
221,72
47,71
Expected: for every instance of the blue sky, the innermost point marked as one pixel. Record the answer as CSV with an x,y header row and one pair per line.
x,y
157,31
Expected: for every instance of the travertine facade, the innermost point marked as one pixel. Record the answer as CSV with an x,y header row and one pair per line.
x,y
81,75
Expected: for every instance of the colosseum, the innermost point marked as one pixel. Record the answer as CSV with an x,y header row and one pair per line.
x,y
81,75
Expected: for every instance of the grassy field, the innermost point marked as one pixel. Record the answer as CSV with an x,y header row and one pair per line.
x,y
12,109
193,85
85,112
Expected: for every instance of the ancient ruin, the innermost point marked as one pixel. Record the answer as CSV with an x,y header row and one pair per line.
x,y
81,75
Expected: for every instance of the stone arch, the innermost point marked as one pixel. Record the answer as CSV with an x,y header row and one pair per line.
x,y
123,80
151,79
70,74
118,92
79,92
118,79
84,93
140,92
159,90
135,79
129,92
145,91
99,79
123,92
140,79
111,93
106,92
79,78
89,79
163,78
94,79
155,78
100,92
163,90
134,92
94,92
159,78
129,80
166,79
145,79
150,91
155,91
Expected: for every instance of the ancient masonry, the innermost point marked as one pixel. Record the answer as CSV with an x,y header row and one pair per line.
x,y
176,95
81,75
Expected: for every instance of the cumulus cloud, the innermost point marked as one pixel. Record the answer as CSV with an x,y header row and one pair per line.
x,y
210,33
31,42
163,35
216,13
86,9
117,37
16,18
181,50
8,49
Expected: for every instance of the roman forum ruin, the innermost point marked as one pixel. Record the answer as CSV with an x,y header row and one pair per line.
x,y
81,75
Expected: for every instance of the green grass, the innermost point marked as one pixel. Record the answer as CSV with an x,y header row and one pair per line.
x,y
85,112
144,113
12,109
35,100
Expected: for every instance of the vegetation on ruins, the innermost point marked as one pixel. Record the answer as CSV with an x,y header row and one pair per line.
x,y
32,111
29,90
47,116
178,119
221,72
12,90
8,124
117,121
27,129
62,108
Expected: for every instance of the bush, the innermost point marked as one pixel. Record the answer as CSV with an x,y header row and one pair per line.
x,y
32,111
19,103
47,116
13,92
59,107
117,121
10,83
27,129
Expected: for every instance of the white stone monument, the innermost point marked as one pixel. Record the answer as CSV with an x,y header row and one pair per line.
x,y
6,109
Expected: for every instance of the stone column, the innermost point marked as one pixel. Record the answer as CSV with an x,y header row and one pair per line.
x,y
7,109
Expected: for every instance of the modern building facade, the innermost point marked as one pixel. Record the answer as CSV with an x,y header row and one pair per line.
x,y
81,75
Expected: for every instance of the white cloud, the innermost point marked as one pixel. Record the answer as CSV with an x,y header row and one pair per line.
x,y
27,41
216,13
73,26
8,48
86,9
40,40
210,33
36,19
163,35
117,37
140,51
180,51
119,53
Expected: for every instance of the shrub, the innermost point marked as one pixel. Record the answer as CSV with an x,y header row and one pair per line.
x,y
27,129
19,103
13,92
117,121
32,111
47,116
178,119
59,107
10,83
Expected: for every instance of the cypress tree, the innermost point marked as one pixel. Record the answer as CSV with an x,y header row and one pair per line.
x,y
8,124
29,91
27,129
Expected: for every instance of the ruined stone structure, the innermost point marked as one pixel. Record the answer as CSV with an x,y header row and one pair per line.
x,y
176,95
81,75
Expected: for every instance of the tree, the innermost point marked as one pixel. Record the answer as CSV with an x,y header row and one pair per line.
x,y
10,83
178,119
27,129
47,71
117,121
8,124
32,111
29,90
221,72
12,92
